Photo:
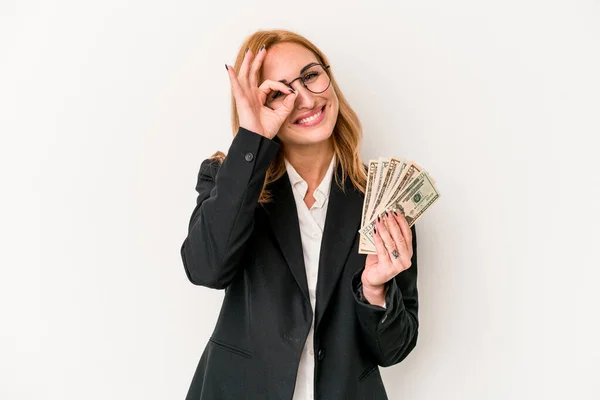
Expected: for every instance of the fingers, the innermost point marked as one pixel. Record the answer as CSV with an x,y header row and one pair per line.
x,y
396,233
236,88
244,69
290,96
394,241
382,255
405,229
256,64
269,85
288,105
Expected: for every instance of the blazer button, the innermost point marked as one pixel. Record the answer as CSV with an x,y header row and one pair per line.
x,y
249,157
320,354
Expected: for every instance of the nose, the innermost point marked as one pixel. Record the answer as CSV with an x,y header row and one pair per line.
x,y
304,97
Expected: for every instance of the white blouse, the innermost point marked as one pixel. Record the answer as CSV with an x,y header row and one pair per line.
x,y
311,223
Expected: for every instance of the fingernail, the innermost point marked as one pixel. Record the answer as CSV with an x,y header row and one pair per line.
x,y
375,230
395,213
248,48
292,90
262,48
226,68
386,213
378,219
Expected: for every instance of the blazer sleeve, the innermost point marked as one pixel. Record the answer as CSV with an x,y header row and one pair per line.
x,y
223,218
391,333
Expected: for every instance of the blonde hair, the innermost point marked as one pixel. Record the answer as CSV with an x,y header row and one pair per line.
x,y
347,132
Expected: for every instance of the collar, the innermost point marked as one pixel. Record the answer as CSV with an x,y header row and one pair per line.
x,y
299,184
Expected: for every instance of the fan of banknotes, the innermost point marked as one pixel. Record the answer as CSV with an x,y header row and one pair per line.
x,y
394,183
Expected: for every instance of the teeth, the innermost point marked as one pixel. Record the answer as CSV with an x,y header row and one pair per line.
x,y
305,120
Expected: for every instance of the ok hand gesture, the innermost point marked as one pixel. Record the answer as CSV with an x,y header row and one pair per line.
x,y
250,98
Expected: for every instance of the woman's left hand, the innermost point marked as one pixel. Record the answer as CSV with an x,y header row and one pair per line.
x,y
393,241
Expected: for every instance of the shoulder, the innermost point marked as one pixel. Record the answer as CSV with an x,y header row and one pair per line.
x,y
209,167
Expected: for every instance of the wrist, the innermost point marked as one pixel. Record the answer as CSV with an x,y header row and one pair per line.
x,y
254,129
373,290
374,294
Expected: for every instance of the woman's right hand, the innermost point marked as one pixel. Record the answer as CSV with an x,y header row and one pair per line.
x,y
250,98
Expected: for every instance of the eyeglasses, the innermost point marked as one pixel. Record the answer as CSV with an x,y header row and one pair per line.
x,y
314,78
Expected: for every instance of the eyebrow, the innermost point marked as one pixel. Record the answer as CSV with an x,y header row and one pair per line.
x,y
307,66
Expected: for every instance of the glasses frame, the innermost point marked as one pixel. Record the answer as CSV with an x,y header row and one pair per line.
x,y
325,68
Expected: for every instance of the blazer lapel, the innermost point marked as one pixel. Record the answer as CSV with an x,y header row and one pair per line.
x,y
342,223
284,222
341,230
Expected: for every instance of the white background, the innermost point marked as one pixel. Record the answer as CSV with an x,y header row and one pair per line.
x,y
108,108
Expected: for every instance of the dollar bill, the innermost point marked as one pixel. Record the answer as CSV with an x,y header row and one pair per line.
x,y
382,166
369,192
366,247
419,194
396,179
391,165
372,190
364,244
408,174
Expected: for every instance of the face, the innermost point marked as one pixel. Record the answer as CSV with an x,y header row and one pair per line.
x,y
285,61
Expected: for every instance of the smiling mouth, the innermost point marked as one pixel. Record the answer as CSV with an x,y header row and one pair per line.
x,y
311,118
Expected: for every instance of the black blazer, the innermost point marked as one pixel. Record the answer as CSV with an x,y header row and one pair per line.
x,y
255,254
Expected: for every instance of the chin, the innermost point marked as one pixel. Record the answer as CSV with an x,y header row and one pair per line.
x,y
307,137
311,135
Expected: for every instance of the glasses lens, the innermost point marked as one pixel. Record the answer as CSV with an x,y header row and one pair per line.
x,y
315,79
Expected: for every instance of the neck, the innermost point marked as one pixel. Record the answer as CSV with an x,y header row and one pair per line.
x,y
311,162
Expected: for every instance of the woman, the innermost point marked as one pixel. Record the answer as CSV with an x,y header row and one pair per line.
x,y
276,225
